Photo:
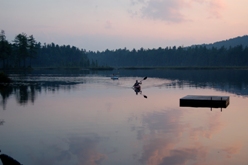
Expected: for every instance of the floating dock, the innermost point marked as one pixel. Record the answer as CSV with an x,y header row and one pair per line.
x,y
205,101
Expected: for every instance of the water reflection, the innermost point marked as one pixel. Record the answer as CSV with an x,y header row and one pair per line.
x,y
162,137
94,120
138,91
26,92
74,150
27,87
5,92
232,81
168,140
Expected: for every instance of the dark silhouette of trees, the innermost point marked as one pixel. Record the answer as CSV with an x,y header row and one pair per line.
x,y
21,49
48,55
53,55
195,56
24,47
5,48
32,49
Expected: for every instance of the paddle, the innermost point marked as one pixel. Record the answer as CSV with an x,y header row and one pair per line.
x,y
143,79
141,82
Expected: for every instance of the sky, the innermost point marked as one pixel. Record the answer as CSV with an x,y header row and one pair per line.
x,y
97,25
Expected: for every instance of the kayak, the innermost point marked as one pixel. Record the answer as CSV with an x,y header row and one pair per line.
x,y
137,87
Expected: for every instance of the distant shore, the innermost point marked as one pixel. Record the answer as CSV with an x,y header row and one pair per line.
x,y
132,68
147,68
190,67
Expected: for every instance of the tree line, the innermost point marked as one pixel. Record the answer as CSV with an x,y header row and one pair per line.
x,y
25,52
173,56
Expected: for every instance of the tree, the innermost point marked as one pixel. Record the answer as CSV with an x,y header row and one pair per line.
x,y
21,48
31,48
5,48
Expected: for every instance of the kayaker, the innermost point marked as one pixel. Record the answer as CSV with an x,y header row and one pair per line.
x,y
137,83
137,87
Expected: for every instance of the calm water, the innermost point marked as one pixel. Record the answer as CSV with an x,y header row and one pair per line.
x,y
88,119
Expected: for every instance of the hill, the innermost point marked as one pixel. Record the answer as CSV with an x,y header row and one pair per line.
x,y
230,42
206,55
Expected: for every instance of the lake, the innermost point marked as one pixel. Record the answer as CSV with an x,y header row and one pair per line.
x,y
85,118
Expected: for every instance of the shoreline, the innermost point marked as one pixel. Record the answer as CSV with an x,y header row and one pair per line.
x,y
132,68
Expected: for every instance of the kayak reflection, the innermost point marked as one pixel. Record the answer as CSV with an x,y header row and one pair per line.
x,y
137,90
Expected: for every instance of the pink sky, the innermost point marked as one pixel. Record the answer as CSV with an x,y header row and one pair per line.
x,y
113,24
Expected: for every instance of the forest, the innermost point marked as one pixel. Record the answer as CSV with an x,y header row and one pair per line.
x,y
26,52
194,56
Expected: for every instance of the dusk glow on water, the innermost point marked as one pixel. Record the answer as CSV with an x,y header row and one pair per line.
x,y
101,121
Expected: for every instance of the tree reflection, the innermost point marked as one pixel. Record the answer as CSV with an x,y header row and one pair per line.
x,y
5,92
1,122
27,92
22,95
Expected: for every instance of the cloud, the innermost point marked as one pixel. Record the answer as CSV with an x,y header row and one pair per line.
x,y
182,156
135,2
108,25
231,150
216,7
212,7
164,10
176,11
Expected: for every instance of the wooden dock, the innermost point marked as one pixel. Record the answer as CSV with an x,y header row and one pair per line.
x,y
205,101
